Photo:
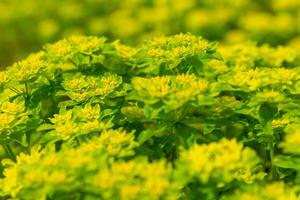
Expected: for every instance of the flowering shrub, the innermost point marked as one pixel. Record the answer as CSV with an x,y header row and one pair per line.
x,y
25,26
172,118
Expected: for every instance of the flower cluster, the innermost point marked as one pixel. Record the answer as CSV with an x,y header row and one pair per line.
x,y
78,121
220,162
292,139
81,88
67,49
13,115
169,54
172,118
46,172
274,191
173,91
28,69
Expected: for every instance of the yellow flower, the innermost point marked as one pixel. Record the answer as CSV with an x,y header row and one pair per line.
x,y
4,77
6,120
270,95
218,66
117,142
50,161
284,75
66,130
61,118
200,85
76,158
158,86
57,177
105,180
185,79
274,191
75,83
219,161
281,122
90,112
130,192
292,139
125,51
91,44
29,68
79,96
91,126
60,48
157,53
12,107
156,186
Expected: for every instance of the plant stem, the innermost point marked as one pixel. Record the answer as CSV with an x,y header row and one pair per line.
x,y
9,152
268,131
26,89
273,168
28,137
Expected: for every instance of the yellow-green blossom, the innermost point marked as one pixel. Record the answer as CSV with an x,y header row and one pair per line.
x,y
272,191
291,142
218,162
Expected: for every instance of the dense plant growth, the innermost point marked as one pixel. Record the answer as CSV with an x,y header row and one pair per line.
x,y
26,25
172,118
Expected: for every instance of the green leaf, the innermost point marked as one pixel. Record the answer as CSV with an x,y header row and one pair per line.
x,y
289,162
45,127
145,136
267,111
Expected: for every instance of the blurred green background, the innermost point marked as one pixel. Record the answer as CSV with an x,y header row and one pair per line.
x,y
25,26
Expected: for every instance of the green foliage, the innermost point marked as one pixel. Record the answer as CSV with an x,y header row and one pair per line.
x,y
172,118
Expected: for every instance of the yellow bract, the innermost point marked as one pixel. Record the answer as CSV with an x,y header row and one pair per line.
x,y
292,139
221,161
274,191
29,68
